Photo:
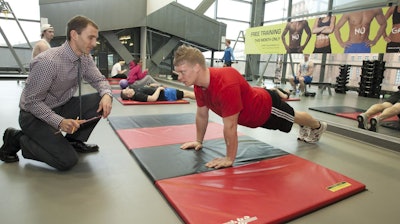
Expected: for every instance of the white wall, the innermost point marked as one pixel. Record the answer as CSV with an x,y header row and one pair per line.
x,y
8,60
153,5
106,14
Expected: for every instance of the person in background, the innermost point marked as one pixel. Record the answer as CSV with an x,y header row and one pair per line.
x,y
49,107
389,108
304,75
227,93
155,93
47,34
137,77
228,54
117,72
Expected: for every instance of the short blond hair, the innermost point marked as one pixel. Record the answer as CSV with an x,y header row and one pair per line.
x,y
188,54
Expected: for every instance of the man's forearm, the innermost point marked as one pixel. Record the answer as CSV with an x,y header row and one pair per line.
x,y
231,141
201,125
230,135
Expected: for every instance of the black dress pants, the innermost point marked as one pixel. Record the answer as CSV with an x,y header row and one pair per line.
x,y
39,141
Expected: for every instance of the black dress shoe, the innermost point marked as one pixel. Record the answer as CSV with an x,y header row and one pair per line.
x,y
8,157
10,147
84,148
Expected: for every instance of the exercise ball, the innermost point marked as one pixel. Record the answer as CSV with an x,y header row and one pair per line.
x,y
123,83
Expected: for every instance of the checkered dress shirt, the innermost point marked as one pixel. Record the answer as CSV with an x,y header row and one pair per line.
x,y
53,81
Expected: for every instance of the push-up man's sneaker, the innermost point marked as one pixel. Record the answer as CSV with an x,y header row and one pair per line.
x,y
315,134
374,124
362,121
10,147
304,131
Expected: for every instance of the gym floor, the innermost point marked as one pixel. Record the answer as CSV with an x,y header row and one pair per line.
x,y
110,187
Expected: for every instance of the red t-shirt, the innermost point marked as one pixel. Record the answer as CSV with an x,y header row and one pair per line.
x,y
229,93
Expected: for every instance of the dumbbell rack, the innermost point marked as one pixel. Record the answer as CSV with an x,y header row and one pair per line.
x,y
371,78
342,79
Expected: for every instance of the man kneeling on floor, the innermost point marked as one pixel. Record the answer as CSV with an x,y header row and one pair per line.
x,y
48,106
154,93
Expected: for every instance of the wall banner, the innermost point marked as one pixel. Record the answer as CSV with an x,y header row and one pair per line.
x,y
369,31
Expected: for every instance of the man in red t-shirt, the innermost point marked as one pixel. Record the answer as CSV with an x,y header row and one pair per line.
x,y
228,94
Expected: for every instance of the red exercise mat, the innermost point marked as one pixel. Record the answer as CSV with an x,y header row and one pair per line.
x,y
113,81
165,135
270,191
116,91
133,102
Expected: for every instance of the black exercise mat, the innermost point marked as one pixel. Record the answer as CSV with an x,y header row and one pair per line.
x,y
391,124
334,110
141,121
168,161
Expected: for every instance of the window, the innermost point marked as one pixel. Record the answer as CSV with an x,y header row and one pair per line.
x,y
397,81
190,3
303,7
239,11
344,4
275,10
22,9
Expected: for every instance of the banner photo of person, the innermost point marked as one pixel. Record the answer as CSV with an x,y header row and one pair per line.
x,y
374,30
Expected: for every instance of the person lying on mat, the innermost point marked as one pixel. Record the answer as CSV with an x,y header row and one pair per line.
x,y
154,93
389,108
228,94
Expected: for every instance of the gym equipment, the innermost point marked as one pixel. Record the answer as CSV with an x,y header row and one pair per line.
x,y
371,78
342,79
146,121
274,190
123,83
312,94
335,110
133,102
145,137
392,124
265,183
321,87
168,161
